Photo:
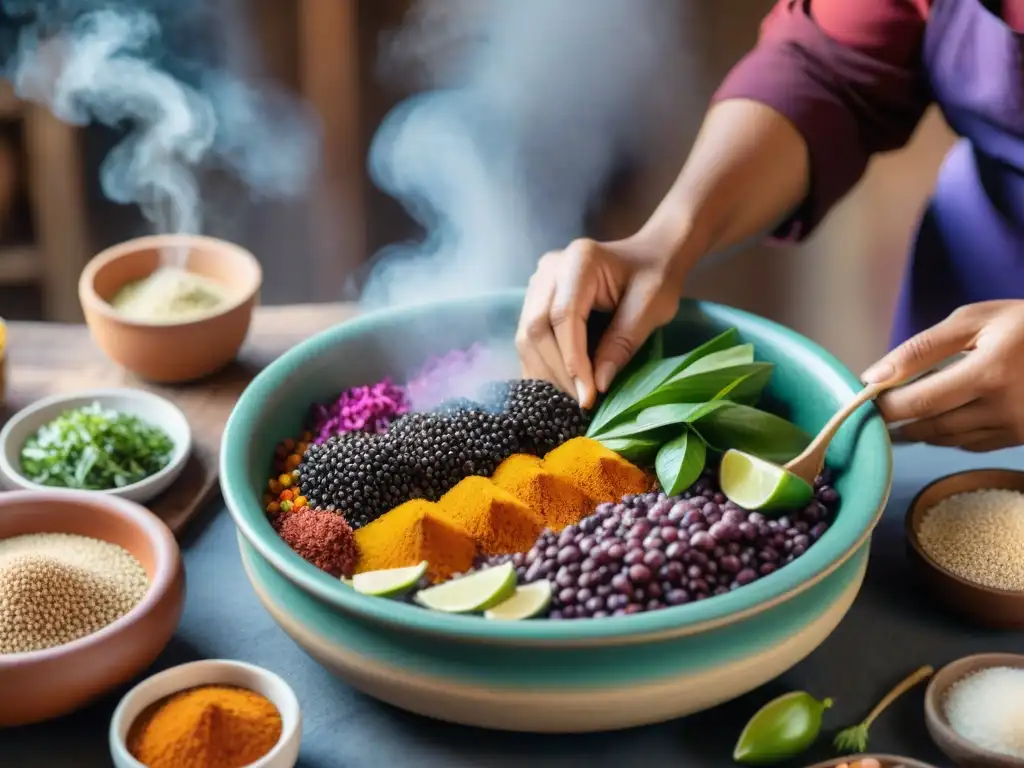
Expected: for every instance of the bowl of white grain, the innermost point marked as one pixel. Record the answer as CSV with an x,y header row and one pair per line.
x,y
974,710
965,542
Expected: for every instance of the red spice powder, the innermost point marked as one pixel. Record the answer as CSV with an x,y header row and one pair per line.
x,y
321,538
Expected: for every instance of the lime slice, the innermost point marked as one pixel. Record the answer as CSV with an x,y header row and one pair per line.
x,y
754,483
391,581
476,592
526,602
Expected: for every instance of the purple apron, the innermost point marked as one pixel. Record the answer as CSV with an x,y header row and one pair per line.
x,y
970,243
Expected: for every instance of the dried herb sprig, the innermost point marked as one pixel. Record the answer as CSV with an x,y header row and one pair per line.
x,y
855,738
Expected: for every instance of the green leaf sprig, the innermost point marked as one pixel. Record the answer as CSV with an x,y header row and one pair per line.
x,y
670,411
95,449
855,738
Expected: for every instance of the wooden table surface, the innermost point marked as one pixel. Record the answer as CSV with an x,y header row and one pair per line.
x,y
44,359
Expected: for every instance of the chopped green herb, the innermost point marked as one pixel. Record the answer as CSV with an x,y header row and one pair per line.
x,y
95,449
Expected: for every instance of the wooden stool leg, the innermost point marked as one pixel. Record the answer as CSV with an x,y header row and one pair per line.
x,y
57,196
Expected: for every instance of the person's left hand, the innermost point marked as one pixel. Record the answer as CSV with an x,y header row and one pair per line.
x,y
977,403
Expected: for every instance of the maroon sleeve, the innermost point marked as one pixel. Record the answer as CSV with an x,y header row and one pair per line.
x,y
848,76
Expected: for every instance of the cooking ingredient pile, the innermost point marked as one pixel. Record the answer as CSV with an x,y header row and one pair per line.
x,y
423,455
503,479
651,551
58,587
213,726
95,449
979,536
169,295
987,709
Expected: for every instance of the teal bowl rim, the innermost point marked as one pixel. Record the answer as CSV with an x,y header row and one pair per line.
x,y
819,561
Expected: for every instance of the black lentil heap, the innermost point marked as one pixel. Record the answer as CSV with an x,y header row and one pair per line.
x,y
423,455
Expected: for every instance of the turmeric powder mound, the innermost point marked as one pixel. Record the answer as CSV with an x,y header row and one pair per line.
x,y
212,726
554,499
598,472
498,522
411,532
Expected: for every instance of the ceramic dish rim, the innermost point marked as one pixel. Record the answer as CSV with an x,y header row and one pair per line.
x,y
914,541
760,596
182,448
213,667
936,716
885,759
167,560
87,289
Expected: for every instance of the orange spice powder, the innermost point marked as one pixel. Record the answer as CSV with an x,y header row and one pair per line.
x,y
498,522
412,532
598,472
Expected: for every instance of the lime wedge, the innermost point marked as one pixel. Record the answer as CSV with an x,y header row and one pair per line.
x,y
526,602
389,582
754,483
476,592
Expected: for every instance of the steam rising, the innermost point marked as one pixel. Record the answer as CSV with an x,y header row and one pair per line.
x,y
533,104
104,66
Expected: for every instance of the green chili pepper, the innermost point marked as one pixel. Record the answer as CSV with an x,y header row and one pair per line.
x,y
781,729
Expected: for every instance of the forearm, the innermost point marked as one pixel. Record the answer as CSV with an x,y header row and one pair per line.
x,y
747,171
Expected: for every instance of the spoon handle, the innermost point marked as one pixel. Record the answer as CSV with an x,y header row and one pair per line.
x,y
832,426
809,463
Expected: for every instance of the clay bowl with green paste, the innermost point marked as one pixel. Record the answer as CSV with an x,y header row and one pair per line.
x,y
544,675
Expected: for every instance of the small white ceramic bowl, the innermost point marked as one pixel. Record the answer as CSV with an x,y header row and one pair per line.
x,y
212,672
149,407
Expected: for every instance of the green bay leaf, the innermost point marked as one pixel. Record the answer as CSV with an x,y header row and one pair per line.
x,y
680,462
736,426
745,380
636,450
740,354
623,398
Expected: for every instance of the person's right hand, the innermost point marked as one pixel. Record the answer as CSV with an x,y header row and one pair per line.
x,y
633,278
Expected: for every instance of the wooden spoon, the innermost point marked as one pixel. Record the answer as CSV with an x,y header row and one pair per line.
x,y
808,465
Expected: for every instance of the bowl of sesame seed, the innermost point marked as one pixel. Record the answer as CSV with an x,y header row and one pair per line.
x,y
91,590
965,542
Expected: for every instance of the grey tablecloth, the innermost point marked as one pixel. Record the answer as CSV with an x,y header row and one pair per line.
x,y
891,630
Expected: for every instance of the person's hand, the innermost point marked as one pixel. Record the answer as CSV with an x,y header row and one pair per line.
x,y
977,403
631,277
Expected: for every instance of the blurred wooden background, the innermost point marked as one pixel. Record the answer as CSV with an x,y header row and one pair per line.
x,y
839,288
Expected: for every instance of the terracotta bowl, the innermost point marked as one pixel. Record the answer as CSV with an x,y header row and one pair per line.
x,y
56,681
171,352
962,752
994,608
887,761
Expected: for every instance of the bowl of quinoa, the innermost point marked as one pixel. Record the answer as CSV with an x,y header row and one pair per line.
x,y
965,542
91,591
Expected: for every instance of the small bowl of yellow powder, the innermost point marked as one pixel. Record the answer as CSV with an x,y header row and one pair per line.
x,y
208,714
965,541
170,308
91,591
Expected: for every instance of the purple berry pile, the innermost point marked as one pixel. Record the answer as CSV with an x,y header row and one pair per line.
x,y
652,551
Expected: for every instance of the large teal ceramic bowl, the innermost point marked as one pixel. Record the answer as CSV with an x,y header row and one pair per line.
x,y
540,675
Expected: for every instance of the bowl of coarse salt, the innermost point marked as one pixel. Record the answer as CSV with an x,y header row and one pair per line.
x,y
965,542
974,710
